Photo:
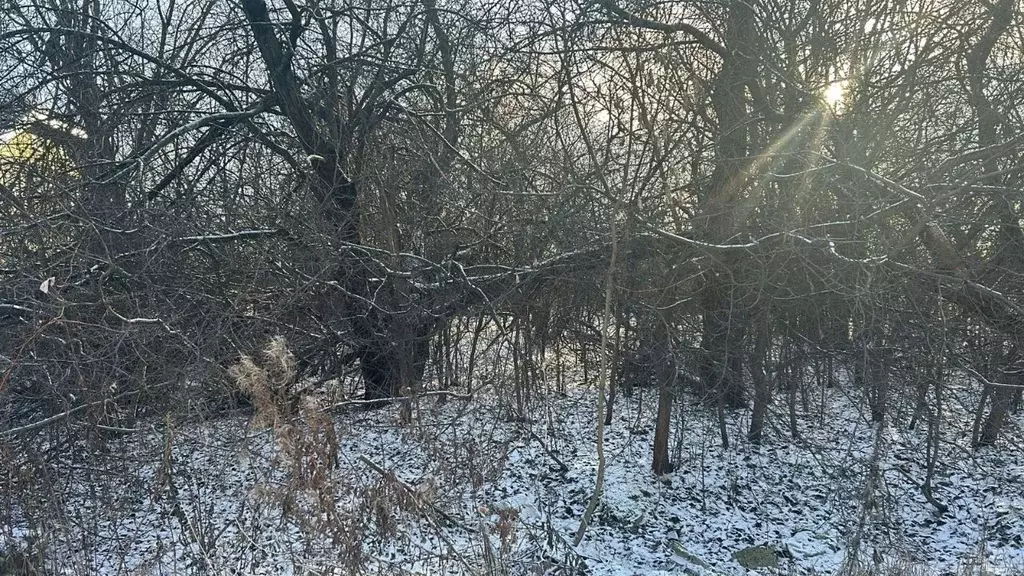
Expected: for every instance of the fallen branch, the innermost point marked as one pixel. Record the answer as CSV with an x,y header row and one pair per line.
x,y
925,490
63,415
379,401
412,492
561,465
421,503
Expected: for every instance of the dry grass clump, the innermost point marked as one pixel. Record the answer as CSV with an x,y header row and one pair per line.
x,y
337,511
302,427
270,385
307,449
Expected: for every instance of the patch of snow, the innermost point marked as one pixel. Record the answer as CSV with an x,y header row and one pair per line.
x,y
504,491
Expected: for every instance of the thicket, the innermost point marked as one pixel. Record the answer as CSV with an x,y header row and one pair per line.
x,y
794,191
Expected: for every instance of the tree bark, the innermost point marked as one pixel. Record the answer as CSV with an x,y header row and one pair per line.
x,y
1011,238
392,350
723,212
666,373
1002,400
760,380
613,374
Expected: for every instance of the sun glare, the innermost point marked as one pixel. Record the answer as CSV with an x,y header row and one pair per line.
x,y
834,93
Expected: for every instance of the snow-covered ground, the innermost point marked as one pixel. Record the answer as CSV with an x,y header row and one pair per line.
x,y
467,490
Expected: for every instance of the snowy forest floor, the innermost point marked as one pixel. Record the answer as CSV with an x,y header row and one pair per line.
x,y
464,489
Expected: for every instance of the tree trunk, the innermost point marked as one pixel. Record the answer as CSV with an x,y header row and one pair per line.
x,y
389,363
392,350
666,372
1002,399
877,385
1011,239
934,377
921,385
723,213
790,374
760,380
613,374
722,366
473,342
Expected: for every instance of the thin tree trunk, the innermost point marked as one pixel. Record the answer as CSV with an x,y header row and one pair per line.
x,y
721,370
666,373
603,381
801,380
791,389
979,415
613,377
471,363
760,380
932,452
